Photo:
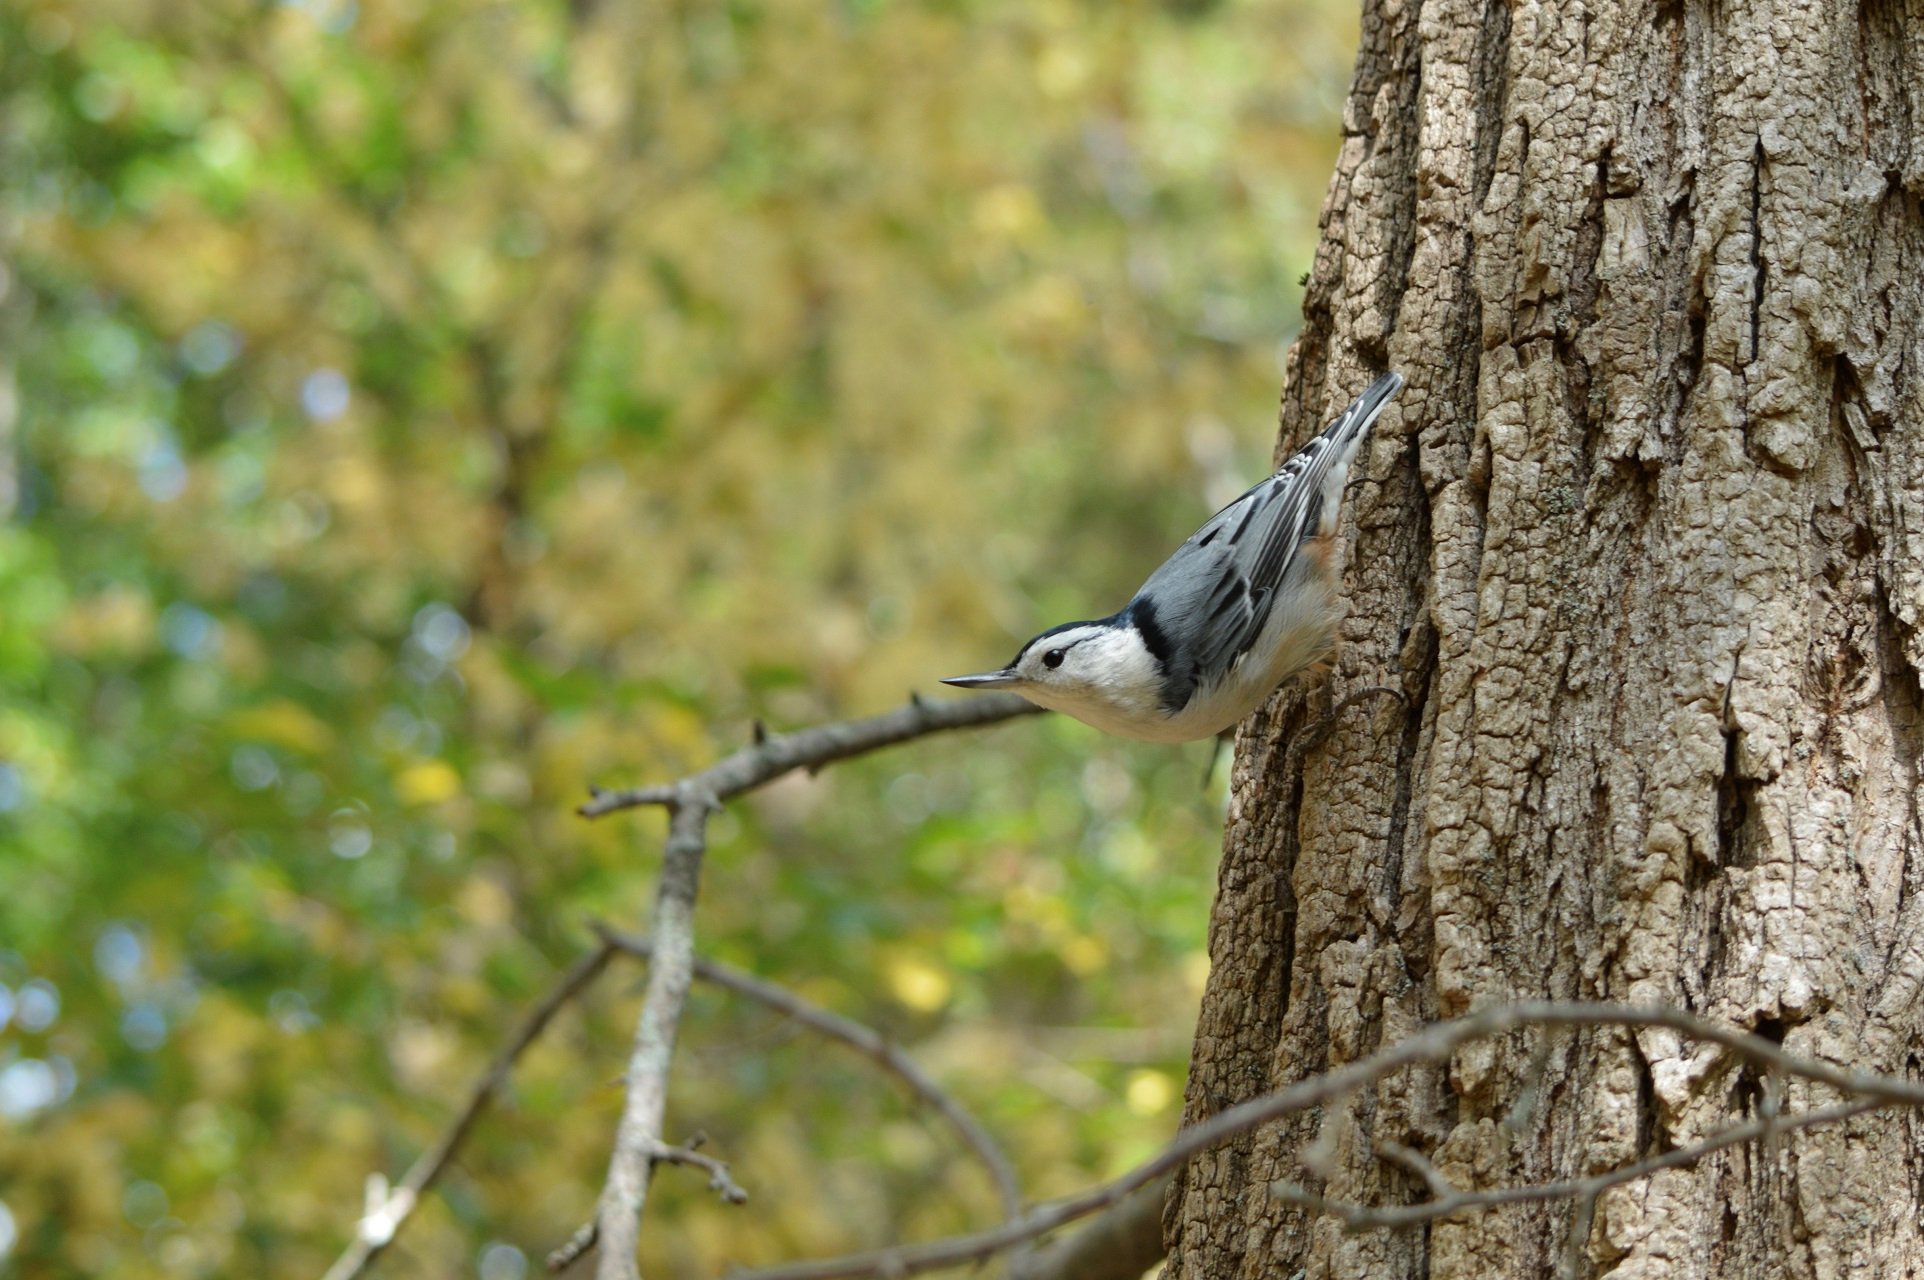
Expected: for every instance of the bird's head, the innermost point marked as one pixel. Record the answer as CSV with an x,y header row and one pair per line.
x,y
1090,670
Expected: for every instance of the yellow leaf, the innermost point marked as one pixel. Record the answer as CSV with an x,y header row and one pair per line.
x,y
1082,955
117,621
1053,306
918,984
1008,211
484,902
353,482
1195,970
1062,69
429,782
282,723
1148,1092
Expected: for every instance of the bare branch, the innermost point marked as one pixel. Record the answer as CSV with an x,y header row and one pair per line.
x,y
779,753
1393,1217
1120,1243
1431,1045
1419,1164
383,1220
638,1137
865,1041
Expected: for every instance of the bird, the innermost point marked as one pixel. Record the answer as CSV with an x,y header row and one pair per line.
x,y
1246,603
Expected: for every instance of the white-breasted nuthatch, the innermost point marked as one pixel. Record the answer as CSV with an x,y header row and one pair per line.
x,y
1247,602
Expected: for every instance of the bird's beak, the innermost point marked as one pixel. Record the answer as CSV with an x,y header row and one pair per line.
x,y
987,680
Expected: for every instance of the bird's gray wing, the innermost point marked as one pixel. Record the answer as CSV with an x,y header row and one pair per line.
x,y
1213,596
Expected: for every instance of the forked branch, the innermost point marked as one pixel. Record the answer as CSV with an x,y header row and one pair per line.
x,y
388,1209
689,802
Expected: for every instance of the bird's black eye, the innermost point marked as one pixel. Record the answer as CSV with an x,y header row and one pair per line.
x,y
1052,659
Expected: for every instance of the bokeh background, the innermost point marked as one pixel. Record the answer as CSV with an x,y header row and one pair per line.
x,y
412,411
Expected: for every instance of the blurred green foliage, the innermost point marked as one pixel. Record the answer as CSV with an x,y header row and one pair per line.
x,y
425,409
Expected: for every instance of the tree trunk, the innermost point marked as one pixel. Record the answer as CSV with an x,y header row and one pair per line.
x,y
1643,544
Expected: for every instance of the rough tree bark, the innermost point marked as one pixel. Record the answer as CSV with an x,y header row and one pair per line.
x,y
1643,543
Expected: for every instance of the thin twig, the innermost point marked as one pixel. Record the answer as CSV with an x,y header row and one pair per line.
x,y
1360,1217
1319,1157
573,1249
1430,1045
865,1041
1582,1218
687,1154
383,1220
770,757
